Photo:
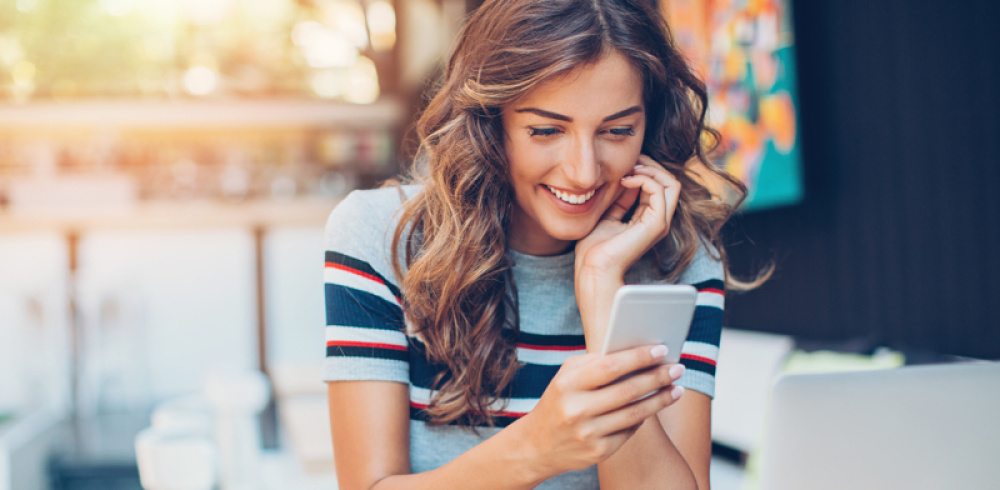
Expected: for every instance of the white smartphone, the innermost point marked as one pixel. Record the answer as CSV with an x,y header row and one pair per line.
x,y
651,314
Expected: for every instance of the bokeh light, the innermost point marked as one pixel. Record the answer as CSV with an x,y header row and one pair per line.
x,y
157,49
200,80
382,25
362,82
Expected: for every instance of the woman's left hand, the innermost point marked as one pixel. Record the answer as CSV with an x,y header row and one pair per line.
x,y
613,246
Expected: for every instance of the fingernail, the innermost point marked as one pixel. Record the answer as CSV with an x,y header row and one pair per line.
x,y
659,352
677,392
639,165
677,370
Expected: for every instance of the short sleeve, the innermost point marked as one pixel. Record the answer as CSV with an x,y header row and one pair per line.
x,y
701,349
365,329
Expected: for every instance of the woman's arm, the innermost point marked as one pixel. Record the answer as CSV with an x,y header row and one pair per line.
x,y
688,424
585,416
369,421
672,452
669,452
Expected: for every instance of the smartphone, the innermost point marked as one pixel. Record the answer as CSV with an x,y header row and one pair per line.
x,y
651,314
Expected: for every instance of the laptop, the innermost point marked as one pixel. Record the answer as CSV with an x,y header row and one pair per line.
x,y
911,428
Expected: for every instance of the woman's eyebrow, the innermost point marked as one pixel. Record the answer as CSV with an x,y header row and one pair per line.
x,y
560,117
626,112
544,113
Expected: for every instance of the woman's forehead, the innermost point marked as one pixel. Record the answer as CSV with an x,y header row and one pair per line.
x,y
604,87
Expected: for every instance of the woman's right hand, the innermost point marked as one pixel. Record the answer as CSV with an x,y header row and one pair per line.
x,y
592,406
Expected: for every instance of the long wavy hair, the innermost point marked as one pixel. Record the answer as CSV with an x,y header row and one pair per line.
x,y
450,248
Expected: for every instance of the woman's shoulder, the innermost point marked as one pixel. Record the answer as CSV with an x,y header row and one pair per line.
x,y
366,219
374,202
706,265
365,208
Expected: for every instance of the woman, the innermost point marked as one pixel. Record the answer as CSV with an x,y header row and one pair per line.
x,y
554,170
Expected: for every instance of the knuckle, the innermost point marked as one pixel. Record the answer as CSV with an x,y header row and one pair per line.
x,y
608,364
644,355
626,392
663,376
571,415
665,397
636,414
601,450
562,384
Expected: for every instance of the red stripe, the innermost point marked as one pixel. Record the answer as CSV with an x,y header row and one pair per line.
x,y
355,272
361,274
712,290
693,357
347,343
421,406
551,347
510,414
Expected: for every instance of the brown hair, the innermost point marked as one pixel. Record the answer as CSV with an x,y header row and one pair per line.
x,y
458,293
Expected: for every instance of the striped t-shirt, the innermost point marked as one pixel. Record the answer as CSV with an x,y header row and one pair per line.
x,y
366,335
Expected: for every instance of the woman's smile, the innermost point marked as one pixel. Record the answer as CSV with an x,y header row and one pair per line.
x,y
569,197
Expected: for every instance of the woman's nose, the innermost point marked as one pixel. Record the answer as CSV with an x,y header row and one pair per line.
x,y
581,166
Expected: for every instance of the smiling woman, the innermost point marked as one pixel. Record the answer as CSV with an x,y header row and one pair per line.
x,y
557,164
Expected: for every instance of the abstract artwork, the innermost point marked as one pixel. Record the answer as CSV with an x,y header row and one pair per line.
x,y
744,50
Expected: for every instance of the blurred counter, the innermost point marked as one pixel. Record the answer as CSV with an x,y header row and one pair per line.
x,y
173,214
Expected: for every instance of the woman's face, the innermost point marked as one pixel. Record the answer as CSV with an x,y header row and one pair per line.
x,y
569,142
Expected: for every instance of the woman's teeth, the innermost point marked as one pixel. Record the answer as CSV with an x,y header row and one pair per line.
x,y
572,198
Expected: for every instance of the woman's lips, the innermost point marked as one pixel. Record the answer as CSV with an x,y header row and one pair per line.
x,y
583,202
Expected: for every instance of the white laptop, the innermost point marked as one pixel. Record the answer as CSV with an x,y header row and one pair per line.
x,y
912,428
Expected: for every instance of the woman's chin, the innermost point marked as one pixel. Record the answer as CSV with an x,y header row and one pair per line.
x,y
573,232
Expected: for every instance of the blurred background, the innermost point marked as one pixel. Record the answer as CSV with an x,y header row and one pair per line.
x,y
166,168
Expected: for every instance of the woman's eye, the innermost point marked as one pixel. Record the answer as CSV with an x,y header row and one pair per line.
x,y
543,131
622,131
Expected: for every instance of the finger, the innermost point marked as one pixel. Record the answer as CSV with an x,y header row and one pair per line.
x,y
672,186
636,413
665,178
630,389
606,369
617,439
620,207
652,198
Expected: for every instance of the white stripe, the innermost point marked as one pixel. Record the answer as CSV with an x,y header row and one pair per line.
x,y
698,381
546,357
422,396
711,299
332,275
369,335
701,349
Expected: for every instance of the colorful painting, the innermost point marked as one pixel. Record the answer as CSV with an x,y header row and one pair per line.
x,y
744,50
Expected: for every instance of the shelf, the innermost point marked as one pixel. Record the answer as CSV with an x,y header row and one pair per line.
x,y
192,114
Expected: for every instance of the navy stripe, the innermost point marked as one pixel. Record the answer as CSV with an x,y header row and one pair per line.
x,y
366,352
360,266
706,326
529,381
354,308
711,284
698,366
552,340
